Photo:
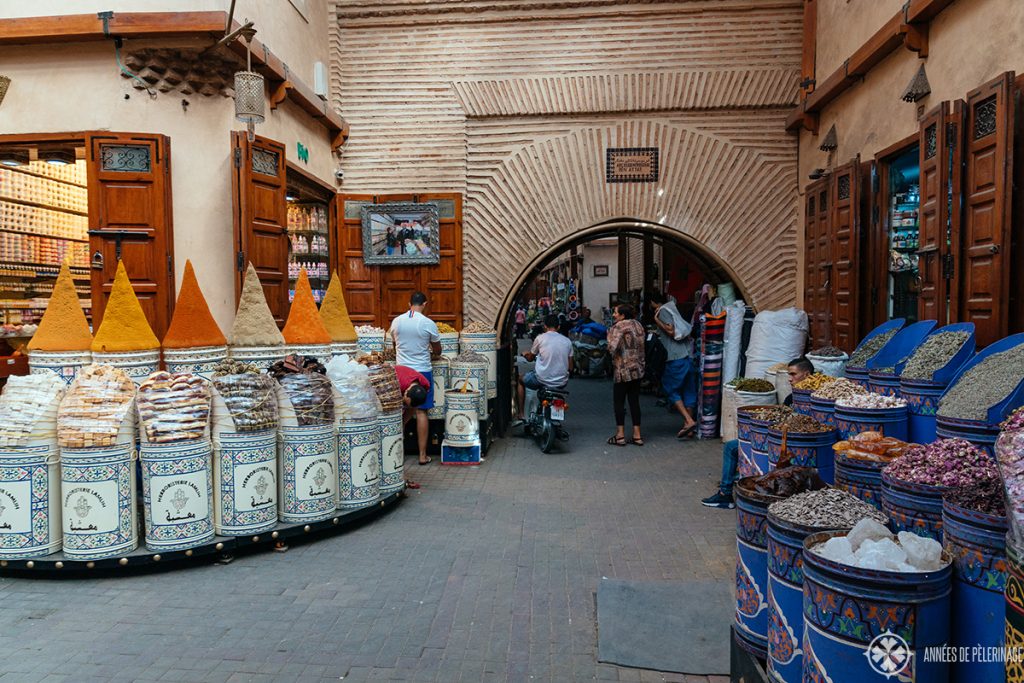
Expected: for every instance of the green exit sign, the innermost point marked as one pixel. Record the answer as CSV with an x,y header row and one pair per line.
x,y
303,152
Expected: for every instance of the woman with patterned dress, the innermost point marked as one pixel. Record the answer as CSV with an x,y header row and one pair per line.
x,y
626,348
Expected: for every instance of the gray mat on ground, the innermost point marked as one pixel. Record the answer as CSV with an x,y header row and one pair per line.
x,y
680,626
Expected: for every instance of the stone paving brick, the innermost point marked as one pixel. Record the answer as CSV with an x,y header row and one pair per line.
x,y
484,574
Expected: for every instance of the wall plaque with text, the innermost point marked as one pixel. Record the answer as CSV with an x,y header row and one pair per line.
x,y
631,165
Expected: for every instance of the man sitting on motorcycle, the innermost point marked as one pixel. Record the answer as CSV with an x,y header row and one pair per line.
x,y
553,353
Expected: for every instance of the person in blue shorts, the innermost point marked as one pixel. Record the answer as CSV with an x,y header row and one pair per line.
x,y
417,342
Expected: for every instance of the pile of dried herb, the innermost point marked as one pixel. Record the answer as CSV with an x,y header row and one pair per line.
x,y
984,385
936,351
869,347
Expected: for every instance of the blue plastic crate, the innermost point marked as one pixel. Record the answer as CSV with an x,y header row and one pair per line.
x,y
1015,399
460,455
894,324
901,346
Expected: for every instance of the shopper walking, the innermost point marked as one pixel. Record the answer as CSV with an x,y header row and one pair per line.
x,y
626,348
520,322
417,341
674,333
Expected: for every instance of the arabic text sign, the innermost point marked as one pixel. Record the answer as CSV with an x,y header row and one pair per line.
x,y
632,165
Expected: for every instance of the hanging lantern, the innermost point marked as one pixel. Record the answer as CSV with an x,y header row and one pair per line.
x,y
250,96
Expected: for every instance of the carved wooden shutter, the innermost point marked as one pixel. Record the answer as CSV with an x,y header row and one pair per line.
x,y
933,214
985,281
261,217
815,271
130,218
845,239
359,280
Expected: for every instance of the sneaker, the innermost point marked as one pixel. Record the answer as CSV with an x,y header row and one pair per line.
x,y
722,501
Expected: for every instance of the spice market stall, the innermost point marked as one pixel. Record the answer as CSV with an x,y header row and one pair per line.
x,y
194,342
62,342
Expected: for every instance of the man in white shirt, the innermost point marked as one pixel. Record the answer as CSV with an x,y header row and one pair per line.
x,y
553,353
417,341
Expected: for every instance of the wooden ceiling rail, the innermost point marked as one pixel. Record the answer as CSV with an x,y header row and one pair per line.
x,y
908,27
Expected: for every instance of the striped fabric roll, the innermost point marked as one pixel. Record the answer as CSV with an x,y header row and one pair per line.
x,y
710,395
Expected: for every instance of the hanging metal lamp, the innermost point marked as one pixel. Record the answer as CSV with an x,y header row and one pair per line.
x,y
250,93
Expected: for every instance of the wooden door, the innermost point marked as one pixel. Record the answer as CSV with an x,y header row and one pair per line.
x,y
815,270
985,280
129,179
359,280
261,217
845,243
932,216
443,283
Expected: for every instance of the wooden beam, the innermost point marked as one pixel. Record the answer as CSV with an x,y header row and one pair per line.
x,y
879,46
922,11
829,89
915,37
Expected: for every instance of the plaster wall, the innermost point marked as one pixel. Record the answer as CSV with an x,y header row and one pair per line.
x,y
844,25
77,87
597,289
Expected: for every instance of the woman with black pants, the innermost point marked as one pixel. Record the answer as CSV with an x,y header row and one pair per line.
x,y
626,347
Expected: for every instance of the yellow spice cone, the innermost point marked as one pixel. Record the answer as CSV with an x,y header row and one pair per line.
x,y
64,326
304,325
124,326
193,325
334,313
254,323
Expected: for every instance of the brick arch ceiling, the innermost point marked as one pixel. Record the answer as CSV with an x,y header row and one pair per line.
x,y
734,197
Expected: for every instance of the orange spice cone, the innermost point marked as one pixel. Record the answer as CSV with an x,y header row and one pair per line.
x,y
304,325
193,325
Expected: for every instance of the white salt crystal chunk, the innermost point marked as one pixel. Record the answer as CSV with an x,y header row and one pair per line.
x,y
867,529
883,554
925,554
837,549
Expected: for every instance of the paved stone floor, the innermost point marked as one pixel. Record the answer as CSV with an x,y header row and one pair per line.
x,y
484,574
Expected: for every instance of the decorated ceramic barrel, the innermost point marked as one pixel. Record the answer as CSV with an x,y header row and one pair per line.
x,y
449,344
322,352
847,608
349,349
307,473
786,598
260,356
922,399
30,495
759,444
358,463
884,383
439,370
889,421
977,543
136,364
802,401
371,343
823,410
860,478
198,361
1014,599
744,425
245,482
752,565
859,375
177,494
981,434
811,449
474,374
392,453
913,507
65,364
98,502
461,422
486,344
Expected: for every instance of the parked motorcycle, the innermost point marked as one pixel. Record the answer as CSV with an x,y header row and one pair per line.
x,y
590,357
546,416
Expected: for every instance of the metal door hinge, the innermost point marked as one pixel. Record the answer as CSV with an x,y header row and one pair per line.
x,y
170,265
238,157
240,261
947,266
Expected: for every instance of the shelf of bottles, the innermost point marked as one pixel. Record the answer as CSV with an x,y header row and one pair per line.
x,y
308,247
904,242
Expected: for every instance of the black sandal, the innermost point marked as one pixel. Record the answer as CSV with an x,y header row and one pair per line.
x,y
617,441
638,442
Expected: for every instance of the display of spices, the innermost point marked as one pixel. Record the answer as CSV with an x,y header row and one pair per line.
x,y
304,325
254,323
772,368
358,400
872,446
174,407
248,395
445,328
64,326
984,385
371,359
814,382
334,313
124,326
1010,456
478,328
985,496
771,414
193,325
753,385
26,400
469,356
785,482
936,351
870,401
95,407
384,380
841,388
305,383
945,463
869,347
828,352
802,424
1014,421
870,545
369,331
825,509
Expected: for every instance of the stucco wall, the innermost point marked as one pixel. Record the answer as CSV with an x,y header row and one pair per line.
x,y
77,87
844,25
597,289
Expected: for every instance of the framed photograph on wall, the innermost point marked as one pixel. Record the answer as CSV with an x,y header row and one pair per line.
x,y
601,271
400,234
